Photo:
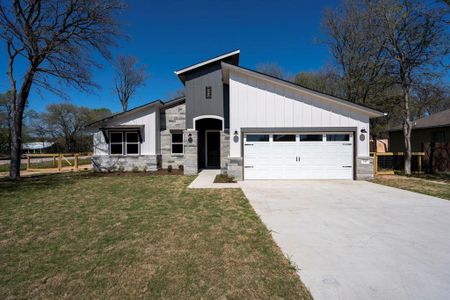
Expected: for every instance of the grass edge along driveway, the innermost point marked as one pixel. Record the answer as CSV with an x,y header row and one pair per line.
x,y
135,236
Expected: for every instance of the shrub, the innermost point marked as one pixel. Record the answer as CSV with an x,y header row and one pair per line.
x,y
169,168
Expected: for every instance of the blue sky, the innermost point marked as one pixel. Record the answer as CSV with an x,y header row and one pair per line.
x,y
169,35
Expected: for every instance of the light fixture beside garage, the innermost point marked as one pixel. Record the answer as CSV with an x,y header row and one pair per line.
x,y
363,130
362,137
235,136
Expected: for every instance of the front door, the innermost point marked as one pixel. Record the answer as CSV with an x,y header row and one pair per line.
x,y
212,149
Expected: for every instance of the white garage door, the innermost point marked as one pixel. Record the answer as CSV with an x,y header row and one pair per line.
x,y
298,156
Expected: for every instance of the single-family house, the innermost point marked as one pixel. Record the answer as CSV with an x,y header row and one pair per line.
x,y
248,124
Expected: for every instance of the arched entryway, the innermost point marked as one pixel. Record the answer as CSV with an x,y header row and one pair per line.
x,y
209,132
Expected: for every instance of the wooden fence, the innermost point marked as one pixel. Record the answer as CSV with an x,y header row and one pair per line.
x,y
385,163
57,161
437,157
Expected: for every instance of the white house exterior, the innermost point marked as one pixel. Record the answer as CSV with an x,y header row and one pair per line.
x,y
250,125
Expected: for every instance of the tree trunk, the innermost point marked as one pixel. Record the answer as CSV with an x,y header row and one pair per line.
x,y
16,145
407,128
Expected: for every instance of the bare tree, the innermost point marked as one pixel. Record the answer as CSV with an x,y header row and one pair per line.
x,y
326,81
416,43
272,69
356,42
56,39
129,77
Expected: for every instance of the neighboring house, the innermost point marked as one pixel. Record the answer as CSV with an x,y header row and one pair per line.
x,y
432,129
36,147
250,125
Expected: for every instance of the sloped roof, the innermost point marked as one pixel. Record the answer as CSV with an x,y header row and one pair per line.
x,y
36,145
439,119
370,111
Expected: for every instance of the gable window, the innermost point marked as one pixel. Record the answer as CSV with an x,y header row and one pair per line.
x,y
124,143
208,92
115,143
177,142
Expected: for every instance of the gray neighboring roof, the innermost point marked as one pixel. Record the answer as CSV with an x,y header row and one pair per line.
x,y
372,112
208,61
440,119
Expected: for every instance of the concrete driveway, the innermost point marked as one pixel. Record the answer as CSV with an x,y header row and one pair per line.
x,y
359,240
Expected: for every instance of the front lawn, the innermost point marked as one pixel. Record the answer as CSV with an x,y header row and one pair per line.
x,y
87,235
438,186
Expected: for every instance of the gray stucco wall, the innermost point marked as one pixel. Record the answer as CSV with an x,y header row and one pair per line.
x,y
172,119
196,102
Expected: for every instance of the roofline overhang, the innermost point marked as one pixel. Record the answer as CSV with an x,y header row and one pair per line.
x,y
101,123
226,68
217,58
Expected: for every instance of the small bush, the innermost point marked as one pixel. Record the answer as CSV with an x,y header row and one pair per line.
x,y
169,168
181,167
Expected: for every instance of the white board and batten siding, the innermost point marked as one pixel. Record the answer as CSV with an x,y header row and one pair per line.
x,y
270,108
148,118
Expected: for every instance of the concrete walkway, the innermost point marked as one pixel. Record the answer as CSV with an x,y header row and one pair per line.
x,y
358,240
205,180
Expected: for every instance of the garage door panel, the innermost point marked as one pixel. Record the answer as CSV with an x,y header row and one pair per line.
x,y
319,159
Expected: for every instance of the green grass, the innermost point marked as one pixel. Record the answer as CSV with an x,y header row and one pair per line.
x,y
437,186
222,178
89,235
47,164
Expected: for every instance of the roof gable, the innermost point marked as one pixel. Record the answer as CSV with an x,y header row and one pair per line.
x,y
227,68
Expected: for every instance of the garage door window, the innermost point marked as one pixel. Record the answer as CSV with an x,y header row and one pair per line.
x,y
284,137
257,137
311,137
338,137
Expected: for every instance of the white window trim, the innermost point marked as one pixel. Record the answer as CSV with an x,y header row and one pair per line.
x,y
115,143
176,143
132,143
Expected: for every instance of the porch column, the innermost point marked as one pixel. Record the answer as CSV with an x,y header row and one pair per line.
x,y
190,140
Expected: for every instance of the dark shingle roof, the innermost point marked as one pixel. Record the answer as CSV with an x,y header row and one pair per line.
x,y
439,119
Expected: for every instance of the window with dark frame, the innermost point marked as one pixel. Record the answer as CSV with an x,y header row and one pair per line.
x,y
177,142
132,143
257,137
311,137
124,143
338,137
208,92
284,137
116,143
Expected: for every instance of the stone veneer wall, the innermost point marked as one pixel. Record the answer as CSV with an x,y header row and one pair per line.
x,y
190,139
364,168
173,118
112,163
235,167
224,149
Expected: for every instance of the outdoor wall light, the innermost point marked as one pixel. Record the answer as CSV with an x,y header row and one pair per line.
x,y
236,137
363,130
190,138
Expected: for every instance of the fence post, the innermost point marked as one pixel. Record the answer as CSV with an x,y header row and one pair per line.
x,y
420,163
375,163
59,162
76,161
28,162
54,161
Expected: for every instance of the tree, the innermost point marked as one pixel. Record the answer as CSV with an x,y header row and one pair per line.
x,y
416,41
429,99
53,39
326,81
129,77
357,45
5,123
272,69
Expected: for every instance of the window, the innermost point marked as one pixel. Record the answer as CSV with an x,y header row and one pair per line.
x,y
311,137
132,142
208,92
115,143
124,143
177,143
284,137
257,137
338,137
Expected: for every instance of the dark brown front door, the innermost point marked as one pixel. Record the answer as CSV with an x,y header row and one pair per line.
x,y
212,149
